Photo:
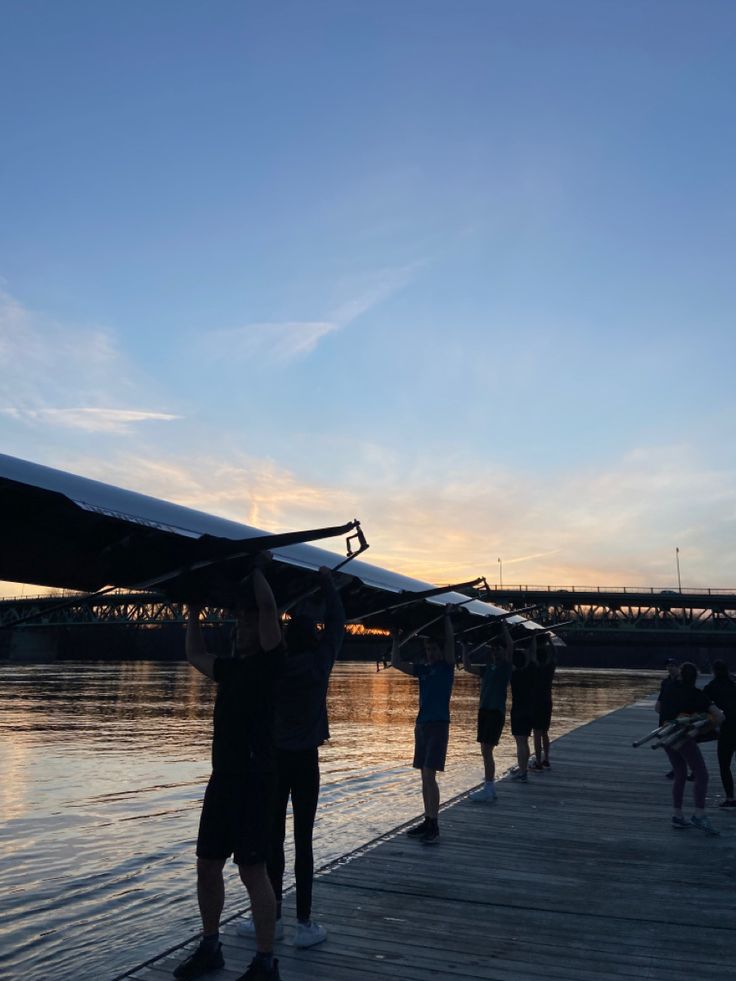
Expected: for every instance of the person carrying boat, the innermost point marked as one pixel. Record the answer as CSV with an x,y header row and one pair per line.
x,y
542,701
523,681
300,727
235,811
495,676
432,728
722,690
679,700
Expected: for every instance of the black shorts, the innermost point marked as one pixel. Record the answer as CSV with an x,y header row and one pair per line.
x,y
235,818
521,723
490,726
542,716
430,745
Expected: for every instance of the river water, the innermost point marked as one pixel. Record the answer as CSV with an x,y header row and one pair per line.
x,y
102,771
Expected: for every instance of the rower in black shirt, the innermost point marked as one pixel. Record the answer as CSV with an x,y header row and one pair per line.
x,y
523,682
722,689
684,699
235,810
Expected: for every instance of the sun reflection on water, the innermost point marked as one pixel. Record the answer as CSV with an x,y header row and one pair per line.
x,y
102,772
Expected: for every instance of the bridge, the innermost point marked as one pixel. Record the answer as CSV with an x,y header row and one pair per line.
x,y
644,608
588,607
607,624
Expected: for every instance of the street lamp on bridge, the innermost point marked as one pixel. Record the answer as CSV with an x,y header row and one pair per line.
x,y
500,573
677,559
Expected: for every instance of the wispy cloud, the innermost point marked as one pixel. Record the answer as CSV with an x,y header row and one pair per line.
x,y
277,341
65,375
293,339
92,420
585,528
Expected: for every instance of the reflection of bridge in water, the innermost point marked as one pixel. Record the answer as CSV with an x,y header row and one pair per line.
x,y
622,619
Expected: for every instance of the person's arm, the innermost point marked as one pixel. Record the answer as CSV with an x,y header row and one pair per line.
x,y
269,628
334,622
532,652
194,645
716,714
507,650
449,648
658,703
406,667
469,666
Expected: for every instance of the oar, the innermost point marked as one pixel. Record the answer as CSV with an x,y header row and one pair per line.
x,y
409,597
659,731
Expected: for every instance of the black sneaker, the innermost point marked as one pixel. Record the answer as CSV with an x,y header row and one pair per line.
x,y
418,830
432,835
546,764
205,958
691,776
257,972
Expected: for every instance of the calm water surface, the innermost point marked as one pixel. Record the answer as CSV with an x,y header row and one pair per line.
x,y
102,771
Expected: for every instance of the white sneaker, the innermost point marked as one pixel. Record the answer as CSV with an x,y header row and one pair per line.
x,y
484,795
246,928
309,934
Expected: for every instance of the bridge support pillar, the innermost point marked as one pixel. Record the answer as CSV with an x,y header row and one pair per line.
x,y
33,645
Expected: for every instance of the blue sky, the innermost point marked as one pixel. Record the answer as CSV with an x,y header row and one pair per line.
x,y
464,269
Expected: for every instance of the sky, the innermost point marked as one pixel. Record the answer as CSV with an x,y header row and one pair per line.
x,y
464,270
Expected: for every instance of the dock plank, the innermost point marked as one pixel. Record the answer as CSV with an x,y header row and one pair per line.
x,y
573,877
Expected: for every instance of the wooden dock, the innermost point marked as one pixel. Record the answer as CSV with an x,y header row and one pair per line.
x,y
575,876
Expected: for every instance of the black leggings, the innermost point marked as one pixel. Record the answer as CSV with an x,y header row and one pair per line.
x,y
298,776
726,749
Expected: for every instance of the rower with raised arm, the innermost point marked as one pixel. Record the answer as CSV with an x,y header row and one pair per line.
x,y
432,728
495,675
300,727
523,678
235,812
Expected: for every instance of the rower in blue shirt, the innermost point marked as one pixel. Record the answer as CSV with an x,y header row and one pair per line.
x,y
432,729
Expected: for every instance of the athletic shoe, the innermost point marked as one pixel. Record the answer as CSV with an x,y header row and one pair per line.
x,y
519,777
309,934
257,972
432,835
546,764
704,824
247,928
691,776
537,767
418,830
485,795
206,958
727,803
680,823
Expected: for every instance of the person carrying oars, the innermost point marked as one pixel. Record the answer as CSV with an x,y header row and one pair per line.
x,y
685,699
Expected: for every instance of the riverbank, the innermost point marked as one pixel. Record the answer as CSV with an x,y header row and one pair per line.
x,y
575,876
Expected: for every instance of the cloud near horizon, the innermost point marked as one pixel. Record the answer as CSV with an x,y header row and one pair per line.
x,y
588,528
